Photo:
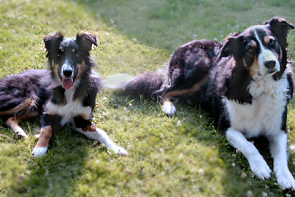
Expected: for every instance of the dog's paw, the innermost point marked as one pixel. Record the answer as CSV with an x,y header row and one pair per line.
x,y
168,108
20,133
39,151
119,150
259,167
285,179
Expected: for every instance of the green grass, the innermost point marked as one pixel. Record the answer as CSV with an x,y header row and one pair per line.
x,y
182,155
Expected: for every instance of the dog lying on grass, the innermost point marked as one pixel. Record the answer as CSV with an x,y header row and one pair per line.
x,y
245,84
64,94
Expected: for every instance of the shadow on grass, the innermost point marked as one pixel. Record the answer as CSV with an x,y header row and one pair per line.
x,y
58,173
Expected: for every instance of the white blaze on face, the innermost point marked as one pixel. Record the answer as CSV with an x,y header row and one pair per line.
x,y
265,55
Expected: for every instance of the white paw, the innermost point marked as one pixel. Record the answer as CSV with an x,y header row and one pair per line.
x,y
259,167
285,179
39,151
119,150
168,108
20,133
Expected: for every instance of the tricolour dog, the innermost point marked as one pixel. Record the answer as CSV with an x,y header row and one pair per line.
x,y
245,83
64,94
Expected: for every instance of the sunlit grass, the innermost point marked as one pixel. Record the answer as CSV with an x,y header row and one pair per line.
x,y
168,156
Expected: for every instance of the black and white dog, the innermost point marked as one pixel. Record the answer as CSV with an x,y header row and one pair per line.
x,y
63,95
246,84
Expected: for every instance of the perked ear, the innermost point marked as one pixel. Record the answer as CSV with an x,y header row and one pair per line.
x,y
280,27
86,40
230,47
280,23
52,38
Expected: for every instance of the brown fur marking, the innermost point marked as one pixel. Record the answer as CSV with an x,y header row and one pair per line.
x,y
13,124
184,91
166,98
55,70
90,128
45,136
23,107
81,70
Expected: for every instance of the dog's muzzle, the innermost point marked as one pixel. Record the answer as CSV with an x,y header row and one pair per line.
x,y
268,63
271,66
67,73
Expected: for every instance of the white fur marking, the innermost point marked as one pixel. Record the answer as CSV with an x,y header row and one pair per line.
x,y
66,65
278,148
266,55
102,137
264,115
168,108
39,151
71,109
257,164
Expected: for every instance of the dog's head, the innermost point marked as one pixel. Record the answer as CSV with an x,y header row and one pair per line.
x,y
69,58
261,49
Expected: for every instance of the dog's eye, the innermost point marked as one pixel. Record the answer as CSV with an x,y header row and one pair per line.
x,y
272,42
60,53
75,52
251,46
250,49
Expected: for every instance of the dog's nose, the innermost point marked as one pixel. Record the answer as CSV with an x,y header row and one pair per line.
x,y
270,64
68,72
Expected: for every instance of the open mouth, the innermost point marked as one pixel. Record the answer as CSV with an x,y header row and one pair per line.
x,y
271,71
67,83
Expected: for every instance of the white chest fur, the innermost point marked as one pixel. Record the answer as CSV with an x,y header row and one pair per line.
x,y
71,109
264,115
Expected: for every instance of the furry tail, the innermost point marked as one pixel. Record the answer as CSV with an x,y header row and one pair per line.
x,y
143,85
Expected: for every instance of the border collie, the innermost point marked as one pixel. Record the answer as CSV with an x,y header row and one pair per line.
x,y
245,83
63,95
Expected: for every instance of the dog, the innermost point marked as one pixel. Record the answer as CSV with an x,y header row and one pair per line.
x,y
245,83
62,95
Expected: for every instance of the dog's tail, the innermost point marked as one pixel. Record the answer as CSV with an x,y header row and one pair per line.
x,y
140,86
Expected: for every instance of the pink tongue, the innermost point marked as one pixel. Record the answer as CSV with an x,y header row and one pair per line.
x,y
67,83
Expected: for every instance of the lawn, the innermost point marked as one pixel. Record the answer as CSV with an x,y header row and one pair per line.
x,y
184,155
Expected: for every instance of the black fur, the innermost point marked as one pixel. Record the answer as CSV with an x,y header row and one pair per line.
x,y
73,99
74,52
186,67
246,87
41,87
35,85
228,77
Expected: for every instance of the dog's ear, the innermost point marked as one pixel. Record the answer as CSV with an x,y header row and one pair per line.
x,y
86,40
231,46
52,38
280,27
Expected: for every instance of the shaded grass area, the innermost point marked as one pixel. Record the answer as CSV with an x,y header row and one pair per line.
x,y
168,156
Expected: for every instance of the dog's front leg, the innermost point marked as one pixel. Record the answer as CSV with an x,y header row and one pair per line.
x,y
257,164
278,148
12,122
91,131
101,136
43,142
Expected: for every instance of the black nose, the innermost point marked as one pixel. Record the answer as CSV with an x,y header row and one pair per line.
x,y
67,72
270,64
